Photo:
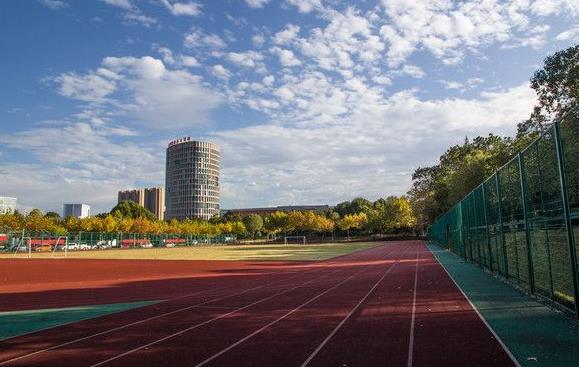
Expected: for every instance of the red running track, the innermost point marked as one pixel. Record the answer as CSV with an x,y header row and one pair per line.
x,y
392,305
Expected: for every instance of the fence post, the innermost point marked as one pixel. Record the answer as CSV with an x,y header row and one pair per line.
x,y
526,219
487,227
566,212
500,209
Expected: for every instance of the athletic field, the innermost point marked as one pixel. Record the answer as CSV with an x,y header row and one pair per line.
x,y
228,252
390,304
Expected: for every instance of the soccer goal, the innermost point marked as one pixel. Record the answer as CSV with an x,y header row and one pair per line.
x,y
23,246
294,239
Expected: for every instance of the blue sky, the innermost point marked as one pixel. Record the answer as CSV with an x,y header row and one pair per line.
x,y
311,101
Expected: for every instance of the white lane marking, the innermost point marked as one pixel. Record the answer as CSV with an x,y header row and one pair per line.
x,y
276,320
328,262
207,321
331,335
144,320
413,318
499,340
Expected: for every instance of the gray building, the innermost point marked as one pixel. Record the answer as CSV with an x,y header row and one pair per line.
x,y
76,210
7,204
192,179
152,199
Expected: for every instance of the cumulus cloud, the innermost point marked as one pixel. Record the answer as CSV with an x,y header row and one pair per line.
x,y
221,72
287,35
124,4
197,38
132,14
144,89
286,57
256,3
373,148
54,4
569,35
177,8
305,6
449,29
86,165
249,59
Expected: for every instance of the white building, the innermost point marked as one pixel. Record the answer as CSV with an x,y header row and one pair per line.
x,y
76,210
7,204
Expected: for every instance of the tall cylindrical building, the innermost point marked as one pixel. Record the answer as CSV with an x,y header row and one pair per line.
x,y
191,179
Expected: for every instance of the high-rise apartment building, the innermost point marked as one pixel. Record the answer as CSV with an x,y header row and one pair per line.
x,y
136,195
76,210
192,179
7,204
152,199
155,201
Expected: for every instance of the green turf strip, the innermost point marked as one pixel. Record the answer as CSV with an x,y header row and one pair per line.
x,y
16,323
535,334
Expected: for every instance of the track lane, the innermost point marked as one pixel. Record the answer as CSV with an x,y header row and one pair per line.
x,y
377,333
199,344
449,331
44,346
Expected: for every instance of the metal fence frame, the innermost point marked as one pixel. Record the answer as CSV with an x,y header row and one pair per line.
x,y
521,223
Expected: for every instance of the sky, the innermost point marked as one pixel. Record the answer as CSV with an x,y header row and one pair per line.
x,y
310,101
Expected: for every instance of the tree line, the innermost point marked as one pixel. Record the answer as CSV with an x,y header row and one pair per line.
x,y
359,216
436,189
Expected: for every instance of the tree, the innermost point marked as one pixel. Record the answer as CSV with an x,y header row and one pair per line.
x,y
52,215
557,88
130,209
253,223
276,222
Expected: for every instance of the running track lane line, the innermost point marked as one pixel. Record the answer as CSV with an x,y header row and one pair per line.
x,y
413,318
331,335
192,294
497,337
209,321
144,320
291,277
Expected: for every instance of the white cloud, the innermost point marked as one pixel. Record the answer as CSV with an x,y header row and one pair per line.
x,y
256,3
551,7
411,70
286,57
306,6
258,40
268,80
148,92
77,162
189,61
221,72
198,38
54,4
287,35
370,151
135,17
570,34
124,4
132,14
249,59
449,29
176,8
382,79
91,87
347,41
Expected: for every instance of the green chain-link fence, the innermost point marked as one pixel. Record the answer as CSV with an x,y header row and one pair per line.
x,y
523,222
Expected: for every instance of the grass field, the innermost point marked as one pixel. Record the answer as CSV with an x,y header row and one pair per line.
x,y
237,252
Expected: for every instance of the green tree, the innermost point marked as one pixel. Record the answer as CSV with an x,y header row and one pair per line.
x,y
52,215
130,209
557,88
253,223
